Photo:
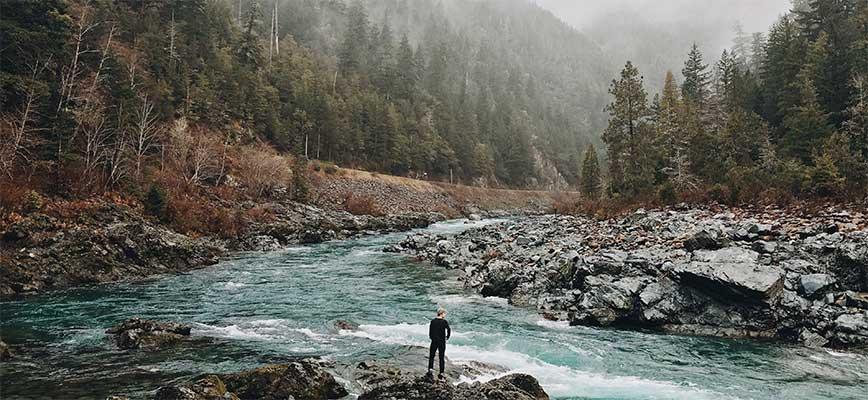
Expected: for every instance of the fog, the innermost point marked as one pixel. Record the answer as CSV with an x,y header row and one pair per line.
x,y
656,34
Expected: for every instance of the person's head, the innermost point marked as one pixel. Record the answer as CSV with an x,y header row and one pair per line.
x,y
441,312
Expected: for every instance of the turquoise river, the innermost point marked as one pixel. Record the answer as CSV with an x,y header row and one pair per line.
x,y
258,308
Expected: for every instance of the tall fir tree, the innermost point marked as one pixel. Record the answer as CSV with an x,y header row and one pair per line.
x,y
628,134
696,79
591,181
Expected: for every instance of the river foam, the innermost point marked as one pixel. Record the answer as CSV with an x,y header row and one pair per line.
x,y
559,381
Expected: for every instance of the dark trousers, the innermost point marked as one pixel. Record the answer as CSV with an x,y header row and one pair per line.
x,y
440,347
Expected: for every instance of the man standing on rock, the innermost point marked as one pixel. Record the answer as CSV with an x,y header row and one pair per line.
x,y
439,333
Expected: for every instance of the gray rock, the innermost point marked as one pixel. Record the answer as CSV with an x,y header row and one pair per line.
x,y
731,274
812,284
764,247
709,238
145,334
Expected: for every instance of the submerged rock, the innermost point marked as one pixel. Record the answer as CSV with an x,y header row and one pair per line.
x,y
146,334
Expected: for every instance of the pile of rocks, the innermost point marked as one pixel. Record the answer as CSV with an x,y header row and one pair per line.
x,y
729,273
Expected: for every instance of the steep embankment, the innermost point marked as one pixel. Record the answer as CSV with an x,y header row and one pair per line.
x,y
725,272
61,244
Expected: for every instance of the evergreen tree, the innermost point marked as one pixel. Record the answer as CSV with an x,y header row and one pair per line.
x,y
784,56
353,51
696,78
806,124
406,71
591,181
628,134
250,46
670,137
742,52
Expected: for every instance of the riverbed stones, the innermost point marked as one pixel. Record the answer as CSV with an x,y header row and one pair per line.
x,y
148,335
721,272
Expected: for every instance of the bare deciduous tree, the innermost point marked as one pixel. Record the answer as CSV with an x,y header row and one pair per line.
x,y
17,128
143,135
192,154
96,135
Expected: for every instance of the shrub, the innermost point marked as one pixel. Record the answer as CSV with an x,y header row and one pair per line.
x,y
719,193
361,205
667,194
300,182
155,202
263,171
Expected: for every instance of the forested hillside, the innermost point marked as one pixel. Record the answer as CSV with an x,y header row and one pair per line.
x,y
784,115
105,95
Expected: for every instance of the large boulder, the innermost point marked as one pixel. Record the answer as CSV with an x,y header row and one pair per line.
x,y
301,380
146,334
850,330
731,274
510,387
207,388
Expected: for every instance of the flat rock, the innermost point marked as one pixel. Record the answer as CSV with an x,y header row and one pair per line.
x,y
731,274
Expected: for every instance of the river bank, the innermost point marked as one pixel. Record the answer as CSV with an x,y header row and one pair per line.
x,y
62,243
738,273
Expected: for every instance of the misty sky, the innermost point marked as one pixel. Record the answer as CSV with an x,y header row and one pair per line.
x,y
657,34
755,15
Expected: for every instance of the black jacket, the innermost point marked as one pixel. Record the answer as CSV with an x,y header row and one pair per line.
x,y
439,330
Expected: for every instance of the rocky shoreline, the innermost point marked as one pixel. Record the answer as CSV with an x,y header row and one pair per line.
x,y
110,242
763,273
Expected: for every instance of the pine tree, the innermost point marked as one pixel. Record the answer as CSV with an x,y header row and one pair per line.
x,y
727,76
353,50
670,136
696,78
806,124
741,47
591,181
758,52
250,52
407,70
785,52
628,134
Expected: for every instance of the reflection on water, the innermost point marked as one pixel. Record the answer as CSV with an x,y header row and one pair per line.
x,y
271,307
